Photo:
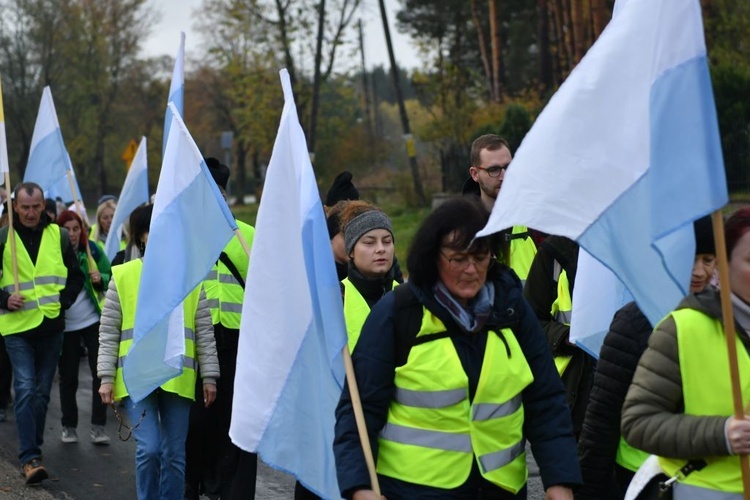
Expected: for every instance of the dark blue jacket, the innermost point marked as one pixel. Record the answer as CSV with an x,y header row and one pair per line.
x,y
547,420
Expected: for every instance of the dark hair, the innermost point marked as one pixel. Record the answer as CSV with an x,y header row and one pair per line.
x,y
69,215
50,205
735,228
140,221
464,216
29,187
490,142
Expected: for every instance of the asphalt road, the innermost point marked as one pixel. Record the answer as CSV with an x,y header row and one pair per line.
x,y
86,471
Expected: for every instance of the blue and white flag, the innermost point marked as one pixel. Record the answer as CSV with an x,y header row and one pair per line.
x,y
176,90
627,153
190,226
48,158
290,371
134,193
61,188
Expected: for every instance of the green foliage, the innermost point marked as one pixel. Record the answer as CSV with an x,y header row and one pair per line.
x,y
731,84
515,125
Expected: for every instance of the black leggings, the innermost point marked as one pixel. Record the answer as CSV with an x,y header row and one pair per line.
x,y
70,360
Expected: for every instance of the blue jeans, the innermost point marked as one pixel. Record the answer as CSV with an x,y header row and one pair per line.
x,y
159,444
34,362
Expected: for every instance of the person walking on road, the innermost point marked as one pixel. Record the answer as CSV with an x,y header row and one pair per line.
x,y
33,319
454,376
160,420
82,324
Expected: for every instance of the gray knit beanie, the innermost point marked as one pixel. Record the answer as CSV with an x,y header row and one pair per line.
x,y
363,223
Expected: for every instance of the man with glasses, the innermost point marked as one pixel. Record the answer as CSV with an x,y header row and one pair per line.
x,y
490,158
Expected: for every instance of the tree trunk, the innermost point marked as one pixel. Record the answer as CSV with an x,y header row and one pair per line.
x,y
316,79
567,36
496,44
545,57
240,154
577,38
483,49
598,18
560,61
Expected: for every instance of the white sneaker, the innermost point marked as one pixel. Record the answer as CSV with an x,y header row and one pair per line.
x,y
69,435
98,436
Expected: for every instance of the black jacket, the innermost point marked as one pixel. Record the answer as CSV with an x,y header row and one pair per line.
x,y
547,425
31,239
541,291
623,346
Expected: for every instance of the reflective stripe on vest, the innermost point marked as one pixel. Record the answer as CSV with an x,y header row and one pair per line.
x,y
127,280
522,252
561,311
40,283
433,426
356,311
706,390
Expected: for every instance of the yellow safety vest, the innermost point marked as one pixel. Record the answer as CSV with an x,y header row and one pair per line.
x,y
99,243
40,284
127,280
223,292
561,311
522,252
706,390
356,311
629,457
433,431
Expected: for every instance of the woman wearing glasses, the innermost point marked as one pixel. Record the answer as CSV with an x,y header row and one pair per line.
x,y
454,376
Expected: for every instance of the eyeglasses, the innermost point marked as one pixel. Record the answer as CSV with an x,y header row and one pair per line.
x,y
494,171
461,261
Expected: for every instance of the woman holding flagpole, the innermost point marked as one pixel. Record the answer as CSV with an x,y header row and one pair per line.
x,y
679,406
160,420
454,375
82,324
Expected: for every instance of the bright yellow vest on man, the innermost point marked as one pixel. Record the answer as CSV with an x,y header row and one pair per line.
x,y
356,311
434,432
561,311
522,252
223,292
40,284
706,390
127,280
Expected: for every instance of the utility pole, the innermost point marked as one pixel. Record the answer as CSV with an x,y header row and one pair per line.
x,y
408,138
365,83
316,80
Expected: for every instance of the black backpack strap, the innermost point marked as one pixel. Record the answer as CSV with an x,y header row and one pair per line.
x,y
517,236
562,260
407,322
224,258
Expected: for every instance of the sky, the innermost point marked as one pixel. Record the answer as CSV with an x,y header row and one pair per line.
x,y
179,15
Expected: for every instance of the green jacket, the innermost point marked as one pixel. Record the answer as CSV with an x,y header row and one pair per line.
x,y
95,292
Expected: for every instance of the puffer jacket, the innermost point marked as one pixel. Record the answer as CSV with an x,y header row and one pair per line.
x,y
597,447
652,417
111,326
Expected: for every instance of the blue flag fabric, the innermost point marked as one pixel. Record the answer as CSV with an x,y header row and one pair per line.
x,y
627,153
190,226
134,193
48,159
289,366
176,90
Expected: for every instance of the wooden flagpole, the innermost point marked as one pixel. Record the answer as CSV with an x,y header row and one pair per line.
x,y
12,238
731,336
79,206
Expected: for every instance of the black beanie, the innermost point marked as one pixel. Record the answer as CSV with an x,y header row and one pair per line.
x,y
218,171
704,235
341,189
